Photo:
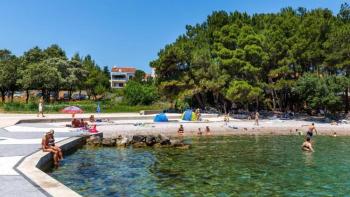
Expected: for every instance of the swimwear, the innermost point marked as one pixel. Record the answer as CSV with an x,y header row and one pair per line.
x,y
309,134
51,142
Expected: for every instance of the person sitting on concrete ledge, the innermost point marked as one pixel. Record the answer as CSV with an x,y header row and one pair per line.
x,y
47,148
53,145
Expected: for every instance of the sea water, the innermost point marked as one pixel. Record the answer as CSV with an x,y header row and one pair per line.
x,y
213,166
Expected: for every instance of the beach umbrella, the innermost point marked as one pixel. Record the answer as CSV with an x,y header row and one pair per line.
x,y
72,110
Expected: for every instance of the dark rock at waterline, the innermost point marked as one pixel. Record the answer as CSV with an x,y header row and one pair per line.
x,y
137,141
138,138
164,140
151,140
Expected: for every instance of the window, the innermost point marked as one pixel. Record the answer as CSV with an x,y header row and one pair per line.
x,y
121,84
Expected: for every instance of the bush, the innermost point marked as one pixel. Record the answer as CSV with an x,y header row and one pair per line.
x,y
136,93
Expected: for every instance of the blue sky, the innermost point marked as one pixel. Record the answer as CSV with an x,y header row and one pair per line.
x,y
118,32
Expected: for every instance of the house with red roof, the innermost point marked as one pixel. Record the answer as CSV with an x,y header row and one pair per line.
x,y
121,75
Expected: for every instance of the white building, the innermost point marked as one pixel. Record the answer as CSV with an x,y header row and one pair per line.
x,y
121,75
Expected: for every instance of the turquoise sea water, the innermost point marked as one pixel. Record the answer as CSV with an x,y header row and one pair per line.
x,y
214,166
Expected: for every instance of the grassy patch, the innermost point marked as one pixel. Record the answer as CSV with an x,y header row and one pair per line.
x,y
87,106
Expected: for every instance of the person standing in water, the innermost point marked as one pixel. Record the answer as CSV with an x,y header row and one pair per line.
x,y
257,118
181,130
307,146
199,131
310,131
41,107
207,130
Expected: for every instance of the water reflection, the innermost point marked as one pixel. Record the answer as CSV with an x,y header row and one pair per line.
x,y
308,157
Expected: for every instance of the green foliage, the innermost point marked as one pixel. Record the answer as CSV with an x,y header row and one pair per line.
x,y
139,76
136,93
236,57
320,92
243,92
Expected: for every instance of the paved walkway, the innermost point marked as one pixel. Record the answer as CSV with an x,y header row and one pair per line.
x,y
21,140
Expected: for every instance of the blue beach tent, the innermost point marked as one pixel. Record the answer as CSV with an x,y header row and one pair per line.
x,y
187,115
161,118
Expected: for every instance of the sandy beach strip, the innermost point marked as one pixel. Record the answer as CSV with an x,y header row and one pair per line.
x,y
218,127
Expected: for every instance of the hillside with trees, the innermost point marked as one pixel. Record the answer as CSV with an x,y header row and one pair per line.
x,y
296,59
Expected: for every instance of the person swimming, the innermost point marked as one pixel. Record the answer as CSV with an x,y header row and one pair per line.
x,y
311,130
307,146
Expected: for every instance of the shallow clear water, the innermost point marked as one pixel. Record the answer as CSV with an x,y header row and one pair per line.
x,y
215,166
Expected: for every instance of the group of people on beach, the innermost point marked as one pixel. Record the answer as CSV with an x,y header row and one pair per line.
x,y
48,145
79,123
181,131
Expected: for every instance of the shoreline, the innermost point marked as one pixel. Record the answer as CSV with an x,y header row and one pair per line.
x,y
234,127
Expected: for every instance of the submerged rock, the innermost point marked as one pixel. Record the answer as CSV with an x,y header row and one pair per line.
x,y
139,144
183,146
94,140
122,141
108,142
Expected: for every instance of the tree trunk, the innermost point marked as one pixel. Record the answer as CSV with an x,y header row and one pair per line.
x,y
12,93
27,96
199,99
2,96
347,100
273,100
